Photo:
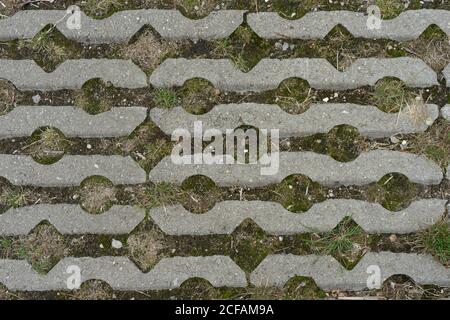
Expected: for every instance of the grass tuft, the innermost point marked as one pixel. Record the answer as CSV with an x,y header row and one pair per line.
x,y
14,198
436,241
342,242
390,95
160,194
165,98
390,8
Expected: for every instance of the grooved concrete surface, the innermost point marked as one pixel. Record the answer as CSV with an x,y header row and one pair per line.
x,y
275,270
70,170
122,26
269,73
171,24
70,219
22,121
319,118
226,216
409,25
122,274
367,168
72,74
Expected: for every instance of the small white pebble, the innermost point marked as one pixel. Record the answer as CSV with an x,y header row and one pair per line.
x,y
36,99
394,140
326,99
116,244
89,146
101,246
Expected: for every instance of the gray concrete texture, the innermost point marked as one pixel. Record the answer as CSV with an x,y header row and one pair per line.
x,y
367,168
122,26
276,270
72,74
122,274
22,121
409,25
269,73
69,171
70,219
319,118
226,216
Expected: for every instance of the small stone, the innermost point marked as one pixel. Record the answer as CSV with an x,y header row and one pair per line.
x,y
392,238
446,112
285,46
394,140
36,99
326,99
116,244
101,246
88,146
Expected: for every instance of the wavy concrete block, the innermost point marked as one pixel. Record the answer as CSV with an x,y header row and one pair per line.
x,y
409,25
269,73
72,74
276,270
122,26
70,170
70,219
367,168
272,217
122,274
22,121
319,118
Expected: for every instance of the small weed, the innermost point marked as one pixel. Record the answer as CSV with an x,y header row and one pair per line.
x,y
97,194
165,98
390,8
198,96
102,8
436,240
296,193
390,95
160,194
144,247
43,248
14,198
341,242
7,97
47,146
155,152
